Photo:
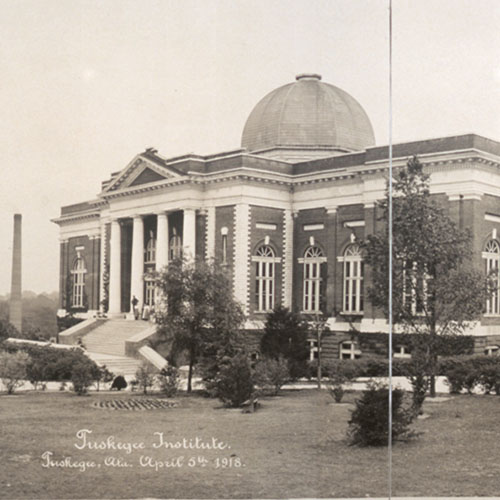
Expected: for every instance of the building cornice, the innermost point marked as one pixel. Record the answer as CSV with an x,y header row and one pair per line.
x,y
75,217
434,162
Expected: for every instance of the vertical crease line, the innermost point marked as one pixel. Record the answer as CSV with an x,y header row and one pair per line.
x,y
390,258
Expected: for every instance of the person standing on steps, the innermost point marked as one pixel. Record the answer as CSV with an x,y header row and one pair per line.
x,y
134,302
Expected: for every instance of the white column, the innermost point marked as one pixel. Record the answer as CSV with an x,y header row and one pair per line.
x,y
189,233
102,265
115,298
161,241
137,275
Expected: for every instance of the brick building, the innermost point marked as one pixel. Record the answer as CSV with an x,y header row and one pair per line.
x,y
284,213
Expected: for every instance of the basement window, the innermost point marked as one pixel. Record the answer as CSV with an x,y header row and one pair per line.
x,y
349,350
492,350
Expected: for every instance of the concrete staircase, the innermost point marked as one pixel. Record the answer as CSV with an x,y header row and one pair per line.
x,y
106,345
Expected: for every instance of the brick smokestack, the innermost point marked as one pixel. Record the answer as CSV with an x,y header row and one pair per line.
x,y
15,309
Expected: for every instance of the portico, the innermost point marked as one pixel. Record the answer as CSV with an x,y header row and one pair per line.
x,y
139,245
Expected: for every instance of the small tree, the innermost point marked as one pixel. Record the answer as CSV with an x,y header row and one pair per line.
x,y
417,375
318,328
436,289
13,369
119,383
83,374
168,380
36,372
272,373
145,376
105,376
234,382
369,423
201,314
341,373
285,335
8,330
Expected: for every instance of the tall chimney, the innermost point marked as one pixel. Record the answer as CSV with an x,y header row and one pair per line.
x,y
15,310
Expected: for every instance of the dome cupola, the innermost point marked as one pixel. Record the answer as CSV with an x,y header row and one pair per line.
x,y
307,119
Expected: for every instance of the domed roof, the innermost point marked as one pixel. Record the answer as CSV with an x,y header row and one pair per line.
x,y
308,113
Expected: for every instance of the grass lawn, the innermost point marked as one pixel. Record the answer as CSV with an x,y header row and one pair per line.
x,y
294,446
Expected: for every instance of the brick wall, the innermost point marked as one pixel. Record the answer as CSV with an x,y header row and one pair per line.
x,y
266,222
89,250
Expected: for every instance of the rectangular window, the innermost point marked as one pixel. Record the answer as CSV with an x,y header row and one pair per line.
x,y
492,304
415,289
264,285
150,290
313,350
312,286
353,285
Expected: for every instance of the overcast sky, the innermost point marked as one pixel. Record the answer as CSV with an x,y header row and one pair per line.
x,y
87,84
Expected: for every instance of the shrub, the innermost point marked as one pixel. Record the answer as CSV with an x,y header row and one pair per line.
x,y
416,371
233,384
468,372
168,380
369,421
105,376
119,383
36,372
8,330
13,369
489,378
271,373
83,375
285,335
456,376
145,376
341,373
49,363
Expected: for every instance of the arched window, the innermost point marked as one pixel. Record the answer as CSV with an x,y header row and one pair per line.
x,y
353,279
265,261
150,252
312,288
491,256
175,247
78,273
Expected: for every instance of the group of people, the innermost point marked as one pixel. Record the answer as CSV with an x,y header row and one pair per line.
x,y
145,314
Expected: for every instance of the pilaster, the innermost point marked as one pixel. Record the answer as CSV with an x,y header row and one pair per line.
x,y
210,233
287,282
241,254
102,267
331,244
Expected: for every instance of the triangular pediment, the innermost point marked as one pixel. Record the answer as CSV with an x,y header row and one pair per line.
x,y
146,176
141,170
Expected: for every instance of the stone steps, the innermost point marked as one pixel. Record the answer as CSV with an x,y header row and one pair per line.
x,y
106,345
110,337
116,364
